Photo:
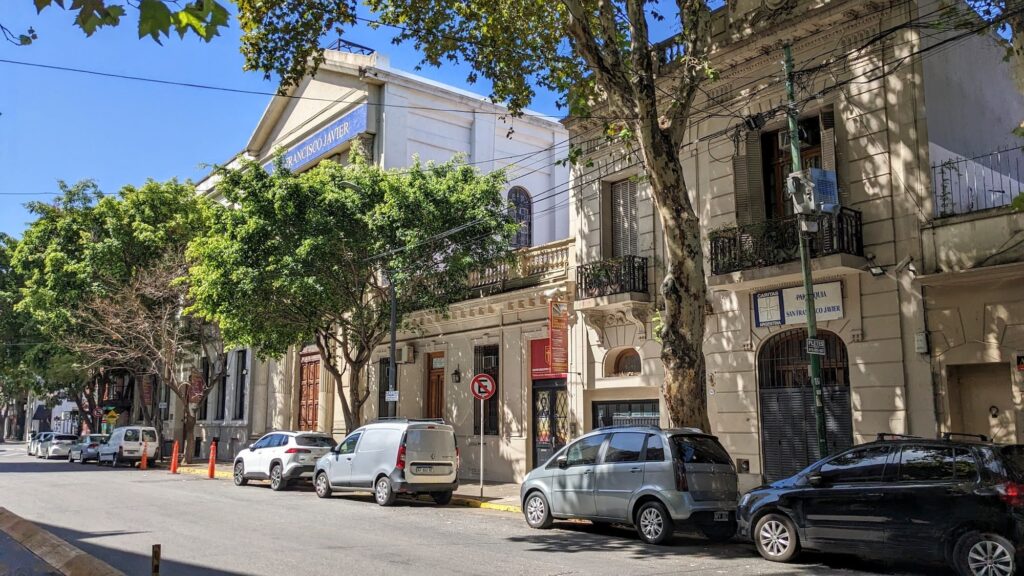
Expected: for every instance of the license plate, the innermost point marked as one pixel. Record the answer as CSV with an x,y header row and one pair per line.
x,y
721,516
423,469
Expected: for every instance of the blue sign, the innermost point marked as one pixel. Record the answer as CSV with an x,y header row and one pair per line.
x,y
325,140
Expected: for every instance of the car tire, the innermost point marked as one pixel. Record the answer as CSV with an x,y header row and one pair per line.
x,y
322,485
239,474
984,553
71,457
277,481
653,524
115,461
718,531
383,493
442,498
82,461
537,511
776,538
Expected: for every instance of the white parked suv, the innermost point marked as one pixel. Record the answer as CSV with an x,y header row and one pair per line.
x,y
125,445
282,457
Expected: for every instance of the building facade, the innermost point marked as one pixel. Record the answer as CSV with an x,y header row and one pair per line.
x,y
916,303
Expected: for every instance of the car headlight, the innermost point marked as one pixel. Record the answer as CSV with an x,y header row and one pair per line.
x,y
745,500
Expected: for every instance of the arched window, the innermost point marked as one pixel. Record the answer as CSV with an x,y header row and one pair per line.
x,y
625,362
522,211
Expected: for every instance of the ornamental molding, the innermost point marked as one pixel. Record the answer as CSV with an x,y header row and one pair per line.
x,y
637,314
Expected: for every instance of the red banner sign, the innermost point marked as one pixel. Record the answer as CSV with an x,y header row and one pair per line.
x,y
195,387
540,360
558,334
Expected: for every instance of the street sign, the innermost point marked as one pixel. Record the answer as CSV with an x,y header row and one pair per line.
x,y
391,395
482,386
111,417
816,346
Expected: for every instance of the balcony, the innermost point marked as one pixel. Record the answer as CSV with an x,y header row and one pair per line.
x,y
776,242
620,275
965,185
531,266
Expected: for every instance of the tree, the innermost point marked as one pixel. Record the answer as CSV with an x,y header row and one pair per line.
x,y
306,257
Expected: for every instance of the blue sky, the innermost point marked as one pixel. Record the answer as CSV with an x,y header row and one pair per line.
x,y
58,125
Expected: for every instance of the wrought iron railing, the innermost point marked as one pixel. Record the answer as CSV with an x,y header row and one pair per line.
x,y
777,241
612,276
549,259
964,185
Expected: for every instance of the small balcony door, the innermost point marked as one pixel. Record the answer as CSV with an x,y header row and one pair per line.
x,y
625,228
433,404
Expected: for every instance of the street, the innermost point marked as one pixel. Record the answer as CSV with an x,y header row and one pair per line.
x,y
211,527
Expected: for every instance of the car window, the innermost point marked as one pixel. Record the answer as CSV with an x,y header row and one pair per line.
x,y
926,464
315,441
1013,458
585,451
430,440
624,447
966,465
700,450
349,445
262,442
655,449
282,440
861,465
97,438
67,437
131,435
149,435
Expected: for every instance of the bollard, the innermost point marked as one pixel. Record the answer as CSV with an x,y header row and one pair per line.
x,y
156,560
174,459
145,455
213,459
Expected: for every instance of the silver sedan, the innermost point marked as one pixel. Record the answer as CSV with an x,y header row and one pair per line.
x,y
87,448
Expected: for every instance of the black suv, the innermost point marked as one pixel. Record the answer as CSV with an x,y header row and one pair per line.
x,y
931,501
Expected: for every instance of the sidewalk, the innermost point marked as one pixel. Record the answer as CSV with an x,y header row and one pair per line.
x,y
28,550
497,496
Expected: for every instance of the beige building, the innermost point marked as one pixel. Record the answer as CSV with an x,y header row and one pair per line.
x,y
918,294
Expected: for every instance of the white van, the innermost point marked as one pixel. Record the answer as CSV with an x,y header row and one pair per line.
x,y
125,445
390,457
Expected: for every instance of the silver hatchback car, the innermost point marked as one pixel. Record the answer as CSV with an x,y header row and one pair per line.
x,y
650,478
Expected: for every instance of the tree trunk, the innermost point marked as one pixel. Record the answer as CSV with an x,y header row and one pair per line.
x,y
358,400
188,426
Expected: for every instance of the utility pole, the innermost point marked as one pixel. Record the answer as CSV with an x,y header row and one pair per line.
x,y
392,406
799,193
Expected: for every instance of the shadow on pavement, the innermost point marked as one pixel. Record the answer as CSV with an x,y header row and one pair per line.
x,y
37,466
579,537
129,562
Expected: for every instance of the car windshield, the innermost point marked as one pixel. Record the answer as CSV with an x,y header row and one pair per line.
x,y
316,441
700,450
67,437
1013,455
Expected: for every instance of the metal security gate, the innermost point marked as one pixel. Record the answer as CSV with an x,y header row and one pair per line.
x,y
788,438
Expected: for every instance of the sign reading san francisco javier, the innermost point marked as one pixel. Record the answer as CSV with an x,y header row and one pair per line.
x,y
324,140
787,306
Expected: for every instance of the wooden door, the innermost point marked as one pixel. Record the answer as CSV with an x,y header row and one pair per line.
x,y
309,392
433,405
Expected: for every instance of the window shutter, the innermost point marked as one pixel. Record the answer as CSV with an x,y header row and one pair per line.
x,y
828,148
625,227
748,180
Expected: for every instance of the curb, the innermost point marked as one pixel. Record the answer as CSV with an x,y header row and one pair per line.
x,y
458,501
61,555
217,474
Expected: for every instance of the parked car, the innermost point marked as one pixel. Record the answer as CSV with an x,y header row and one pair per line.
x,y
644,476
87,448
125,445
282,457
55,445
932,501
33,442
397,456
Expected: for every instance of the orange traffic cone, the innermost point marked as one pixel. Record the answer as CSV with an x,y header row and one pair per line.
x,y
145,455
213,459
174,459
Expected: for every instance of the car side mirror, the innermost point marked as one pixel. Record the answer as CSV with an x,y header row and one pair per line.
x,y
815,479
252,447
562,462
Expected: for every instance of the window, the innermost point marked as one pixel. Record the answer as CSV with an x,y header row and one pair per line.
x,y
521,207
131,435
316,441
779,163
241,371
222,397
385,409
206,381
624,447
349,445
149,435
165,412
625,227
700,450
966,465
485,361
655,449
263,442
862,465
585,451
926,464
626,413
627,363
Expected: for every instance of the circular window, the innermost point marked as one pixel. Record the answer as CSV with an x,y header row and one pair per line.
x,y
627,363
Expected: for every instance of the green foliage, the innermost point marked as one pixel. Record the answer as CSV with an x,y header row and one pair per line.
x,y
157,18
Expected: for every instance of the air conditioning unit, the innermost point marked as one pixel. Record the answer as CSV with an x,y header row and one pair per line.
x,y
404,354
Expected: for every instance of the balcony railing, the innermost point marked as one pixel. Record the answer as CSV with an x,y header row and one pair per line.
x,y
777,241
612,276
964,185
548,260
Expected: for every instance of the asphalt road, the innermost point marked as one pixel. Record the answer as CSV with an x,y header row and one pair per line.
x,y
209,527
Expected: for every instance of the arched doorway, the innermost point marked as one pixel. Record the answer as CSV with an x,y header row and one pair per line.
x,y
788,431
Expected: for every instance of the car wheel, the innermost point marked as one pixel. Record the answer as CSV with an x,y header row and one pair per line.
x,y
984,554
277,481
82,461
322,485
718,531
71,457
442,498
117,460
776,539
383,493
239,474
537,511
653,523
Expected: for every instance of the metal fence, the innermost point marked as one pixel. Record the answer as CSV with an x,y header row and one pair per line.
x,y
964,185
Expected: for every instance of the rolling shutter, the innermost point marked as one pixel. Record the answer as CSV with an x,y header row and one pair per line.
x,y
625,226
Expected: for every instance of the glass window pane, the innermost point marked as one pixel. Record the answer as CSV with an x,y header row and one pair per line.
x,y
863,465
624,447
349,445
315,441
131,435
585,451
966,465
700,450
655,449
149,435
926,464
